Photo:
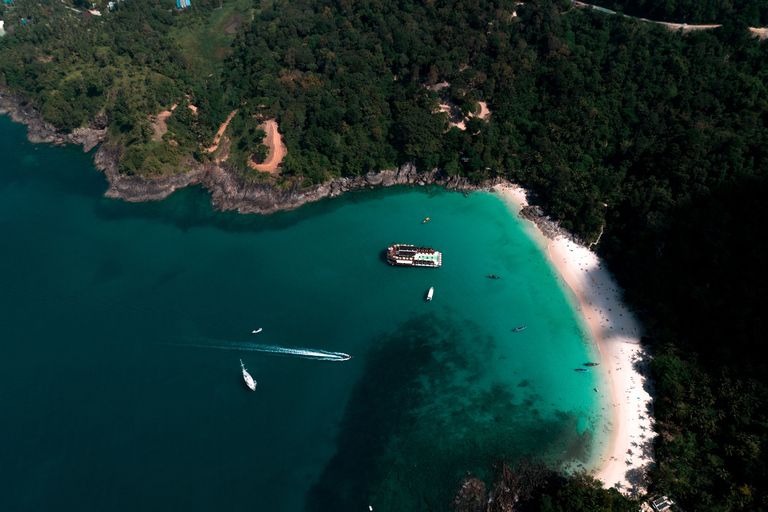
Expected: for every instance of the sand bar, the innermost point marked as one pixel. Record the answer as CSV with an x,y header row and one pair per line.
x,y
617,334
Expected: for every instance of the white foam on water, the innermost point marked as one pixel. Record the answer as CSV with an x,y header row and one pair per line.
x,y
306,353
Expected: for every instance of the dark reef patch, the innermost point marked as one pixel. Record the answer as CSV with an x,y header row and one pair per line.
x,y
418,422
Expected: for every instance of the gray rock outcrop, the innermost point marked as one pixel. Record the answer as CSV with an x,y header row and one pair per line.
x,y
228,192
39,131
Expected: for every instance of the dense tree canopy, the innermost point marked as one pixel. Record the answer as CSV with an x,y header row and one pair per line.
x,y
125,64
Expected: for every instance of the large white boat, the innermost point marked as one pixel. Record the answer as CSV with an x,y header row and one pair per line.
x,y
430,293
412,256
247,377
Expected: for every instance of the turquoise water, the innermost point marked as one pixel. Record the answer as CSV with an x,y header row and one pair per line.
x,y
109,406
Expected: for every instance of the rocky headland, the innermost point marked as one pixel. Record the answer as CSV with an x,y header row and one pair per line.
x,y
229,192
22,111
549,227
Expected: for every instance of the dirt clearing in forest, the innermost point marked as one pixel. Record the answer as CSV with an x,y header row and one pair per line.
x,y
277,149
219,133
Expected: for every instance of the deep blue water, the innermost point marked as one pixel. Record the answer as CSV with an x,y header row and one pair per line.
x,y
108,405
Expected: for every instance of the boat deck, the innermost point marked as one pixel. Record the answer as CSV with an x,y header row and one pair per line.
x,y
412,256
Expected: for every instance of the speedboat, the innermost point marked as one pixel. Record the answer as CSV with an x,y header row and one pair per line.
x,y
519,328
257,330
247,377
430,293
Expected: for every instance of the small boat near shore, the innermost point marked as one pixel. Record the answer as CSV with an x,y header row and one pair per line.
x,y
247,378
591,364
519,328
493,276
430,293
582,370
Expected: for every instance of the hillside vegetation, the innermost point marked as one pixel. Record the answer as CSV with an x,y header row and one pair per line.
x,y
128,64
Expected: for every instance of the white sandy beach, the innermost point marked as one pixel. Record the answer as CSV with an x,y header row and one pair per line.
x,y
617,335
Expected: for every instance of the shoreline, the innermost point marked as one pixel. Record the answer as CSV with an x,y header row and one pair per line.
x,y
617,333
614,328
228,191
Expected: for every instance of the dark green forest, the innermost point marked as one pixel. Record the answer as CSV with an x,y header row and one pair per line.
x,y
127,65
655,138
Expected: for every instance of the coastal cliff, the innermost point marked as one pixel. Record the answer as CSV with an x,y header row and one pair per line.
x,y
22,111
228,192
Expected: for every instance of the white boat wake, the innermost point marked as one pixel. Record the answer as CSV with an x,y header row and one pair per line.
x,y
306,353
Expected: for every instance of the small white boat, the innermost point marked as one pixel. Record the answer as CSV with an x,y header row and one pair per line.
x,y
257,330
431,291
247,377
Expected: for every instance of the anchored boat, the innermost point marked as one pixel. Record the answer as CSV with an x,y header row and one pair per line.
x,y
519,328
247,377
412,256
430,292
